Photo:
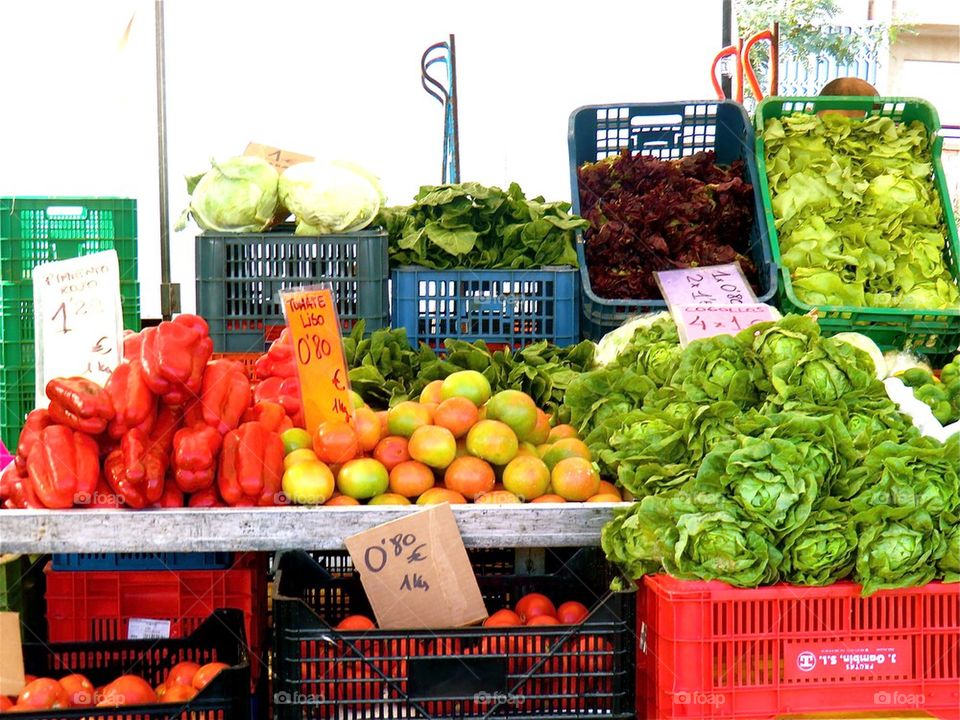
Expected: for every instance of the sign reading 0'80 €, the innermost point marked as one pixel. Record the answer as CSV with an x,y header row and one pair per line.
x,y
318,349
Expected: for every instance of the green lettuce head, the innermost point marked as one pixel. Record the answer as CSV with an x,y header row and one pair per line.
x,y
828,372
720,544
780,345
823,549
772,480
950,562
921,473
718,368
897,548
239,195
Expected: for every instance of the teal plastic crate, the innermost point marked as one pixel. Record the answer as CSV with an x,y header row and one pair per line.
x,y
240,276
501,307
934,333
668,131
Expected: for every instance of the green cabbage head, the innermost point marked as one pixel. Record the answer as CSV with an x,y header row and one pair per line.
x,y
330,197
238,195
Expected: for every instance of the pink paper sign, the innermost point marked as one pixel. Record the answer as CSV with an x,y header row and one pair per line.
x,y
711,285
5,457
702,321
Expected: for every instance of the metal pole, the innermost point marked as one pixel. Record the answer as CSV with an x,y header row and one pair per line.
x,y
169,292
453,100
726,81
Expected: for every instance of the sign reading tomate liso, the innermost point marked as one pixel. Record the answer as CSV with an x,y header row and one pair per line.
x,y
311,315
828,659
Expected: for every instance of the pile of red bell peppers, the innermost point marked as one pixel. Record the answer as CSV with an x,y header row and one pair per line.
x,y
171,428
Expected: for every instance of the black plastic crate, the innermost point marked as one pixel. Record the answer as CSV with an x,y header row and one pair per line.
x,y
239,277
221,638
537,672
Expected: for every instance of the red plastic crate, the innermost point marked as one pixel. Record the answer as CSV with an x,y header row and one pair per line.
x,y
98,605
707,650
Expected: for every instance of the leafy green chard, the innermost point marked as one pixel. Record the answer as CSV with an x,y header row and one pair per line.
x,y
823,549
897,547
858,218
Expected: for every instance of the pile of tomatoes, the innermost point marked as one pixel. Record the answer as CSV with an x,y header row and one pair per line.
x,y
181,684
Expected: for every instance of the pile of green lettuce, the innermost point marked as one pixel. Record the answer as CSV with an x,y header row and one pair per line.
x,y
771,455
858,218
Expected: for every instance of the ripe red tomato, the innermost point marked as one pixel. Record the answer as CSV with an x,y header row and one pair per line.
x,y
207,673
356,622
182,674
542,620
503,618
5,703
572,613
534,604
594,654
44,694
127,690
79,689
179,694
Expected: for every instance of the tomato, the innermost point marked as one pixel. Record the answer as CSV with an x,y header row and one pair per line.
x,y
127,690
182,674
594,654
44,694
356,622
503,618
179,694
160,690
534,604
79,689
5,703
572,613
542,620
207,673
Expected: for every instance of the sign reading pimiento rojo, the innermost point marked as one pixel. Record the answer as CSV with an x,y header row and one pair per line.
x,y
311,315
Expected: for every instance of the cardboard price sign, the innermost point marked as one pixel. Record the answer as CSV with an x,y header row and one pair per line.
x,y
78,319
280,159
11,654
709,285
416,572
318,349
695,322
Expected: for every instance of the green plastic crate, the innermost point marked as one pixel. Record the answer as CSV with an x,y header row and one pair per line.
x,y
239,277
21,590
931,332
37,230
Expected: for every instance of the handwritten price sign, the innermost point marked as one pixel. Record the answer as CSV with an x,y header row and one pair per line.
x,y
78,319
318,348
695,322
416,572
712,285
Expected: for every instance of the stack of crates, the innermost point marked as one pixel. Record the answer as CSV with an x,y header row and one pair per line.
x,y
40,230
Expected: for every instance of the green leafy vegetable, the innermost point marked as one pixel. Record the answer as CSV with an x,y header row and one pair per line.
x,y
858,218
898,547
822,550
237,195
473,226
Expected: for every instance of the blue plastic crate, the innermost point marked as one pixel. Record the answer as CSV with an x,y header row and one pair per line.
x,y
668,131
142,561
501,307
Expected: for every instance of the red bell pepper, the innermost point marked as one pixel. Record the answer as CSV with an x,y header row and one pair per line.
x,y
137,470
206,498
278,361
62,469
12,495
169,421
224,396
104,498
195,452
251,466
36,421
269,414
135,405
285,392
174,356
80,404
132,344
171,498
